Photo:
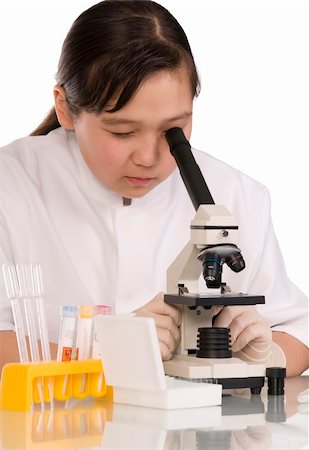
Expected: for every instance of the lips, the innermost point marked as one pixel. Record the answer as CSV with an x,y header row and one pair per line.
x,y
136,181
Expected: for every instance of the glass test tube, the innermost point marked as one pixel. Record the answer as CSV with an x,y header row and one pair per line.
x,y
84,336
96,352
67,332
66,337
99,309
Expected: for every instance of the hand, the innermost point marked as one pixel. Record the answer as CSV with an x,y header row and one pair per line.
x,y
254,437
250,333
167,319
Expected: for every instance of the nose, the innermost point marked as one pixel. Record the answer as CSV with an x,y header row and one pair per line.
x,y
148,150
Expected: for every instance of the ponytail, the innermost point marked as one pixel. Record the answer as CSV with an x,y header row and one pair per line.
x,y
49,123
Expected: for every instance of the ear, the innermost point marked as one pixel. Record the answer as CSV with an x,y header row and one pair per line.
x,y
64,116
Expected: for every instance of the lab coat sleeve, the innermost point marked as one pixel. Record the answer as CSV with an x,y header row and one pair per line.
x,y
286,307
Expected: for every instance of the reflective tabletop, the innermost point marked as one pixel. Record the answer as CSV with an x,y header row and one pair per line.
x,y
241,422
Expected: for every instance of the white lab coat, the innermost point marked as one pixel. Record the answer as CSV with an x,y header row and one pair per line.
x,y
94,250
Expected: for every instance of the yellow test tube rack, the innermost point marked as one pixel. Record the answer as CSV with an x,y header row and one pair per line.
x,y
19,387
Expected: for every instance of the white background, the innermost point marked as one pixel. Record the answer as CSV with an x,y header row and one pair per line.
x,y
252,112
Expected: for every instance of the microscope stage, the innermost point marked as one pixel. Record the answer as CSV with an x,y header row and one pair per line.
x,y
208,300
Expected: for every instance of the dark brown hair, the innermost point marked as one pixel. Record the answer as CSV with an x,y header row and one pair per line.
x,y
111,49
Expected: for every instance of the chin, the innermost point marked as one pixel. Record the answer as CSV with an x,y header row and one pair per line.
x,y
135,193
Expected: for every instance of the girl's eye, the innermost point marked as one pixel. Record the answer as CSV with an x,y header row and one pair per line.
x,y
122,135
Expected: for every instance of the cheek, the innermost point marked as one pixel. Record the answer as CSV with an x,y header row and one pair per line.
x,y
109,155
99,151
188,129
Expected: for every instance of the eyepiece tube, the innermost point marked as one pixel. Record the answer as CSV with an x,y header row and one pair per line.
x,y
189,170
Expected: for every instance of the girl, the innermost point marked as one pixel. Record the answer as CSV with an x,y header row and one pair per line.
x,y
94,194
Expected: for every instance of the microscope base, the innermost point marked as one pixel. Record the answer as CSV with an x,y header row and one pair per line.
x,y
231,373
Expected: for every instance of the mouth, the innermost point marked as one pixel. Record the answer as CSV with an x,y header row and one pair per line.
x,y
137,181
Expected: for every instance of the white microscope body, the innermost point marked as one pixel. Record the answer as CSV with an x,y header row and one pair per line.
x,y
184,273
214,238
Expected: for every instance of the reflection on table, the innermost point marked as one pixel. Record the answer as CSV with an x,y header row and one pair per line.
x,y
242,422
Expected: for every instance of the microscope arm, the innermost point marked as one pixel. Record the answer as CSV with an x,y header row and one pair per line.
x,y
185,271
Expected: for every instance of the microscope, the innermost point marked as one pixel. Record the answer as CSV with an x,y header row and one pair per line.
x,y
204,352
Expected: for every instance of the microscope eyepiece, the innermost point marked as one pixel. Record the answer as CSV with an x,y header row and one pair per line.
x,y
189,170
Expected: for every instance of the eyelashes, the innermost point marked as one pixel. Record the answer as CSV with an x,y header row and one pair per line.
x,y
122,135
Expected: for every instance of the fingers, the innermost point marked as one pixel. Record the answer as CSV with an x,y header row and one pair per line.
x,y
215,310
231,317
165,323
166,354
228,314
158,306
167,319
167,343
254,333
246,325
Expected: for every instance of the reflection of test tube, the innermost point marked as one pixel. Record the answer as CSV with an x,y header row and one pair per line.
x,y
67,332
99,309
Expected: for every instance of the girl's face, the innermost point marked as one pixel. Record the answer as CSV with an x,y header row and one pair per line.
x,y
127,150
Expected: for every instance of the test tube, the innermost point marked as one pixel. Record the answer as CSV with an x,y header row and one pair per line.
x,y
24,280
84,336
26,294
67,332
38,293
84,332
99,309
13,292
96,352
66,337
19,330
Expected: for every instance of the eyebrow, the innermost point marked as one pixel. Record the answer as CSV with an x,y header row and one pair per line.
x,y
124,121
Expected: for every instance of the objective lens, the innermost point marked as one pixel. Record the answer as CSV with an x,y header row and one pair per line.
x,y
235,262
212,269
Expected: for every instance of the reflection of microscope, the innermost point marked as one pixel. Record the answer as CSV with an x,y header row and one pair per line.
x,y
213,243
